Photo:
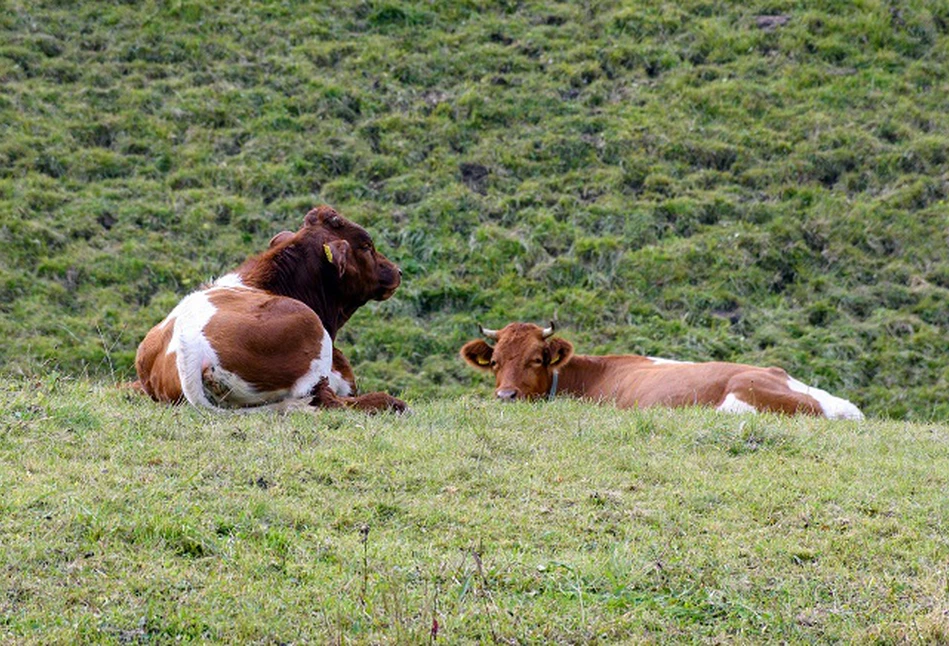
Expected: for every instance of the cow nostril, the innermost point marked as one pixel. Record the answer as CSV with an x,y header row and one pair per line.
x,y
506,394
399,269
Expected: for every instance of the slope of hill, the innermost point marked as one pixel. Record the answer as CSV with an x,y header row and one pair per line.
x,y
763,181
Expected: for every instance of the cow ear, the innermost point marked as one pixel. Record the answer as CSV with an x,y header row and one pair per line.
x,y
338,254
283,236
322,215
478,354
560,351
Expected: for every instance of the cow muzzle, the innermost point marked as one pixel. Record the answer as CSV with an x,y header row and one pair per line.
x,y
506,394
390,281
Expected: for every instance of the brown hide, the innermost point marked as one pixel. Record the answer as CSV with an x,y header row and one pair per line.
x,y
267,340
157,372
524,364
634,381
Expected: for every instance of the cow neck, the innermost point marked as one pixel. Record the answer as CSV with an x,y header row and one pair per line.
x,y
574,377
342,316
322,301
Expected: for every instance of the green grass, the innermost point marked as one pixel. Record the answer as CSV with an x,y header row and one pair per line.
x,y
665,178
125,521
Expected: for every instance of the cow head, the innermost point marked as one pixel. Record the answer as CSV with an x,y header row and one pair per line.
x,y
364,273
331,264
328,253
523,359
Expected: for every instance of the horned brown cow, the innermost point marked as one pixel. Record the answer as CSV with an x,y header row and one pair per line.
x,y
529,364
263,335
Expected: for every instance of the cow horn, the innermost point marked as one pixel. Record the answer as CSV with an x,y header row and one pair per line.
x,y
548,331
491,334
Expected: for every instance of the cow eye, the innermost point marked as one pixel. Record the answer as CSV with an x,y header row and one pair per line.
x,y
537,361
494,364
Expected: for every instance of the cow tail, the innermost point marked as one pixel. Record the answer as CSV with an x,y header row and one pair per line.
x,y
194,354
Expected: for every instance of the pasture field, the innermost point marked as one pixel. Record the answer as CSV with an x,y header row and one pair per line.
x,y
122,521
761,181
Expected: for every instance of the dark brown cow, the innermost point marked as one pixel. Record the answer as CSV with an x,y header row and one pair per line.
x,y
529,364
263,335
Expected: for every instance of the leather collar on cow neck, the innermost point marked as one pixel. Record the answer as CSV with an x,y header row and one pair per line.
x,y
553,386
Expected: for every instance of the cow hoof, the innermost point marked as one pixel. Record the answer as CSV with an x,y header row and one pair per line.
x,y
397,406
403,410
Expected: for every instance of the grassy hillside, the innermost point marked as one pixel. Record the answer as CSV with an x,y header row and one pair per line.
x,y
126,522
686,179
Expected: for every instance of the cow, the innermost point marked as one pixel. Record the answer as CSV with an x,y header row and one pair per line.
x,y
262,336
529,363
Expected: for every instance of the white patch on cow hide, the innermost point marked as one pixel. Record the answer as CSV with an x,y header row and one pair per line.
x,y
229,280
833,407
734,405
659,362
321,367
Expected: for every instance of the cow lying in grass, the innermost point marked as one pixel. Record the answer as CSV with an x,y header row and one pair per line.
x,y
263,335
528,364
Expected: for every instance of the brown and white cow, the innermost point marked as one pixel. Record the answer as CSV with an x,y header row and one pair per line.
x,y
263,335
528,364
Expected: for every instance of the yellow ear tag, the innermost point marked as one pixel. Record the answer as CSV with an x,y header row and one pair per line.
x,y
482,361
328,252
557,360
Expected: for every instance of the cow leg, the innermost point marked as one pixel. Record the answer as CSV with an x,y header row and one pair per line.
x,y
325,397
375,402
767,391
